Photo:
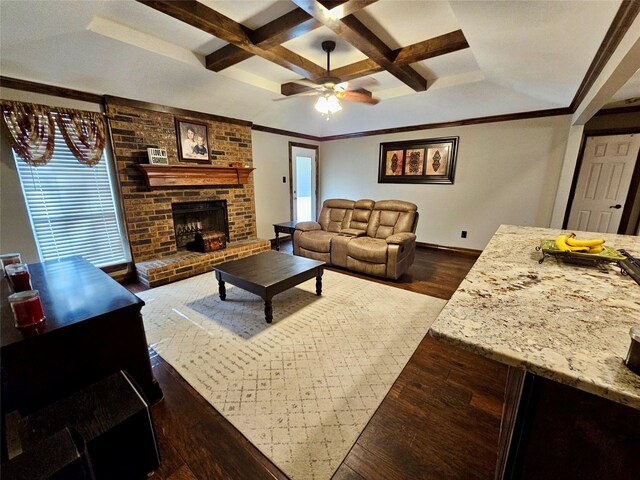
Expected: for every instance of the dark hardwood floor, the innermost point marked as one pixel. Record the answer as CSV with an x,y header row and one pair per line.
x,y
440,420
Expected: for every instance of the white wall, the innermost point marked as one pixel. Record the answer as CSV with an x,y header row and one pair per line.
x,y
271,162
506,172
15,227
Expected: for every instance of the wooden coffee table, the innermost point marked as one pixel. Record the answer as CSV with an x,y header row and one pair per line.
x,y
267,274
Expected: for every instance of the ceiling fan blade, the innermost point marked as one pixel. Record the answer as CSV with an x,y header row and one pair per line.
x,y
307,83
357,97
310,93
357,84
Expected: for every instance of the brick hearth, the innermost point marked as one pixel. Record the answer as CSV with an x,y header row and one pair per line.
x,y
187,264
149,220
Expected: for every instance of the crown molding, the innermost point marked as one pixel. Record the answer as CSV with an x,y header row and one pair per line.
x,y
287,133
17,84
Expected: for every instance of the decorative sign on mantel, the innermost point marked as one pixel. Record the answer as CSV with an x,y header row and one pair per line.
x,y
418,161
178,176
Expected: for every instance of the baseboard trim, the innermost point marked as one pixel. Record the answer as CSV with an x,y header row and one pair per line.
x,y
466,251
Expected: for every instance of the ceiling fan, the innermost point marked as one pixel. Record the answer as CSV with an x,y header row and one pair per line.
x,y
330,89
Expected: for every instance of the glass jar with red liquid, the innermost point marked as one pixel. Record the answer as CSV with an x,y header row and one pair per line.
x,y
8,259
27,308
18,276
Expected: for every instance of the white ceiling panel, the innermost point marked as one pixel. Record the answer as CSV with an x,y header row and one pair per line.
x,y
541,48
453,63
401,23
251,13
264,68
309,46
146,20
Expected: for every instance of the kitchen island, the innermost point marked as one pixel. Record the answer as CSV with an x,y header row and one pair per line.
x,y
556,325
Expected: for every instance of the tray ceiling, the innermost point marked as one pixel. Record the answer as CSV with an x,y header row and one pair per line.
x,y
433,61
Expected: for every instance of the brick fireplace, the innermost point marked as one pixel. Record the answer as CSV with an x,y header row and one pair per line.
x,y
136,126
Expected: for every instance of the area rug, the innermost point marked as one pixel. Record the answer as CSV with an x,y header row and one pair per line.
x,y
303,388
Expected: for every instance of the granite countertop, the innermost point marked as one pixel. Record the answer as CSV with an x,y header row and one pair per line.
x,y
564,322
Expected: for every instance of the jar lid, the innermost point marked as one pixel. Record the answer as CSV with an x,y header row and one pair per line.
x,y
16,266
635,333
9,255
23,296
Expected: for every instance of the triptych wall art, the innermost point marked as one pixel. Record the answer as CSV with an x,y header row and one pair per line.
x,y
418,161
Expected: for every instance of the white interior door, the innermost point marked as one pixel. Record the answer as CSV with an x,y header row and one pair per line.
x,y
303,183
603,183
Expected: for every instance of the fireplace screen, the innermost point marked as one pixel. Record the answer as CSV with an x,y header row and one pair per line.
x,y
192,218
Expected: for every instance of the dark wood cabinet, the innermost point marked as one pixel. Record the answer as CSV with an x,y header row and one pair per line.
x,y
93,328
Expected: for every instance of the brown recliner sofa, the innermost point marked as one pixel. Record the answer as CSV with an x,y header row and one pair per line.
x,y
376,238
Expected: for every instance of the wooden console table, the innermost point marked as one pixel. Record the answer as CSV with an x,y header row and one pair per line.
x,y
285,227
93,328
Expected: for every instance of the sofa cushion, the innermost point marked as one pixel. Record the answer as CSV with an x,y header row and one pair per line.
x,y
333,214
390,217
360,215
316,241
368,249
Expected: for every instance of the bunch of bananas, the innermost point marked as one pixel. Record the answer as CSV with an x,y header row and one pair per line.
x,y
568,243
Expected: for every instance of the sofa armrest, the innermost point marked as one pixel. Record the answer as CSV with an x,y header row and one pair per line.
x,y
401,238
352,232
308,226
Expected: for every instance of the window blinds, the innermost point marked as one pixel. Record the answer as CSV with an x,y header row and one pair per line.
x,y
72,208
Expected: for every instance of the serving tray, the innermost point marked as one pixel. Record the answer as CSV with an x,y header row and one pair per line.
x,y
608,254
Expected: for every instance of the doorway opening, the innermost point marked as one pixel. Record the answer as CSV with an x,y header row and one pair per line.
x,y
303,181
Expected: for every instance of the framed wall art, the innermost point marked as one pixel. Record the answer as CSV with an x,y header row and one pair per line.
x,y
418,161
193,143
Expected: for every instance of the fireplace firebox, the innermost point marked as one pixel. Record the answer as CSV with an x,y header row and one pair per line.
x,y
193,218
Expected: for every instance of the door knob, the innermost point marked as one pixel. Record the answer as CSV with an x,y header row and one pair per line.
x,y
616,206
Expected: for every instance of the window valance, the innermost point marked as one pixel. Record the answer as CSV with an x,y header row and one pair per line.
x,y
32,130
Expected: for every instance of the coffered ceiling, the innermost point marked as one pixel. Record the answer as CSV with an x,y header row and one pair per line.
x,y
433,61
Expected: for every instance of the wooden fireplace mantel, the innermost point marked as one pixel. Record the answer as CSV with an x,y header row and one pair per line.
x,y
183,175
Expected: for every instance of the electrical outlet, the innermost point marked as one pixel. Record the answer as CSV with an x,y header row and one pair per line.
x,y
463,234
284,179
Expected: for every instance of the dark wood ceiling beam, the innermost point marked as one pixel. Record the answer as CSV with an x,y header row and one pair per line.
x,y
202,17
434,47
357,70
365,41
226,57
210,21
290,25
295,23
340,9
447,43
357,34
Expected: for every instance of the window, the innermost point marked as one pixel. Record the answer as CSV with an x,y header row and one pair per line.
x,y
72,208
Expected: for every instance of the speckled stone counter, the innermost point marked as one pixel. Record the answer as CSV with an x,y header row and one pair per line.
x,y
561,321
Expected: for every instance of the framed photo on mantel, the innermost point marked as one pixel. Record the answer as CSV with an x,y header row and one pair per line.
x,y
192,141
418,161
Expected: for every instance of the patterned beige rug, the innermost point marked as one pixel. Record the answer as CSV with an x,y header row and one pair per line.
x,y
301,389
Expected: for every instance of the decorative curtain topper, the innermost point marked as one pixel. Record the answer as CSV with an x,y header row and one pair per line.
x,y
84,134
32,130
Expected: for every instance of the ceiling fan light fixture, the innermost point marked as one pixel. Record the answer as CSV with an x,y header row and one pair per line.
x,y
322,105
333,104
328,104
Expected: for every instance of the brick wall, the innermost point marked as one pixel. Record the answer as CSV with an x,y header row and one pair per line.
x,y
148,210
